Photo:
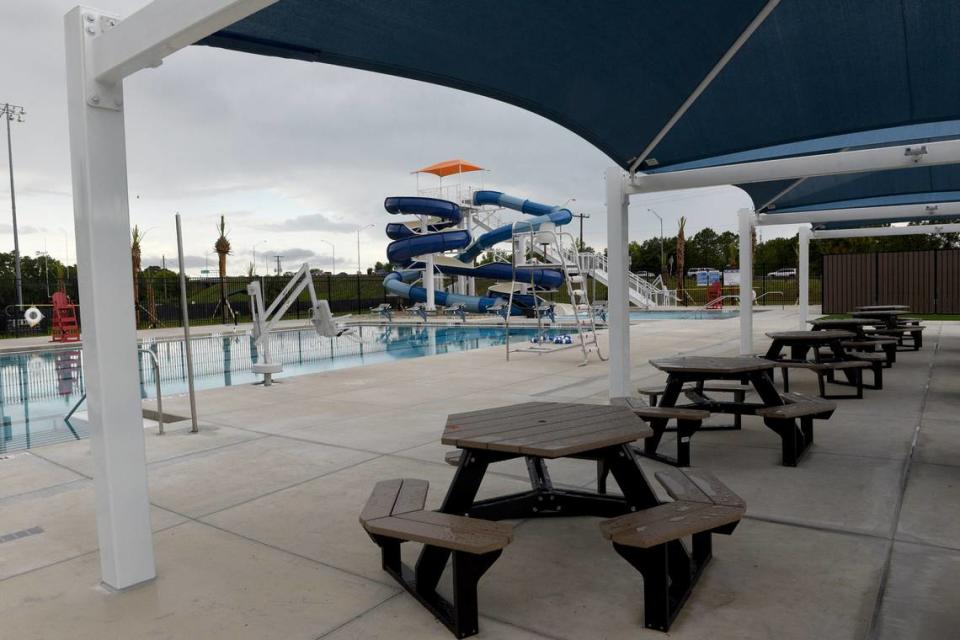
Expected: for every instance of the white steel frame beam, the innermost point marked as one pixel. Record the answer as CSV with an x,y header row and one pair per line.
x,y
101,50
161,28
868,232
841,162
709,78
919,211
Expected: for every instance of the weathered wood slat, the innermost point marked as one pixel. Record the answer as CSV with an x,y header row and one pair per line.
x,y
381,501
716,364
797,410
678,413
583,442
412,496
666,522
716,491
454,432
680,487
457,538
462,524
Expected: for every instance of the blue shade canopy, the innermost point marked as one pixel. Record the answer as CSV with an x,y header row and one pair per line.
x,y
615,72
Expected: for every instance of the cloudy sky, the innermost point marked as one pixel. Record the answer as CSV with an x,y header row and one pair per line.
x,y
296,155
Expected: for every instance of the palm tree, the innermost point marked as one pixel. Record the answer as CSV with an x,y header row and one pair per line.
x,y
681,249
222,247
136,236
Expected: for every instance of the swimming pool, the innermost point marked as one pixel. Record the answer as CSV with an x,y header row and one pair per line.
x,y
38,388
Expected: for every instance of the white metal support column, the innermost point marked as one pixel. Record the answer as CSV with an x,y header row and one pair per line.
x,y
618,314
101,51
746,218
804,275
102,224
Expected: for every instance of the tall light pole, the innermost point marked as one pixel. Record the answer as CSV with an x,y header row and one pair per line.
x,y
10,111
661,237
333,261
279,271
359,229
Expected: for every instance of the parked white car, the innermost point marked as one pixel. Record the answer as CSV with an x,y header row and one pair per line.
x,y
783,273
692,273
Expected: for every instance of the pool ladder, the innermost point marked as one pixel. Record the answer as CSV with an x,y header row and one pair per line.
x,y
156,378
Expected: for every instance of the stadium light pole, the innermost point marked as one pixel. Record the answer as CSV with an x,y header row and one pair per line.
x,y
661,237
359,229
333,260
9,112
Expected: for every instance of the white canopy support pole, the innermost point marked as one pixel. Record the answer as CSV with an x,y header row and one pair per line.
x,y
901,156
618,314
746,219
102,222
804,276
892,213
870,232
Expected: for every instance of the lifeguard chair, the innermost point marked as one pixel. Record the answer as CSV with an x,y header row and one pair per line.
x,y
65,326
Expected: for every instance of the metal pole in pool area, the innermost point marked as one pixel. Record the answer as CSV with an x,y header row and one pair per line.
x,y
185,310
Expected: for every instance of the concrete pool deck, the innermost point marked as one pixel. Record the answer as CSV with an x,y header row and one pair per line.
x,y
257,533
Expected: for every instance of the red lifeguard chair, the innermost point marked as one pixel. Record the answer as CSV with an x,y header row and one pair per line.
x,y
65,326
715,295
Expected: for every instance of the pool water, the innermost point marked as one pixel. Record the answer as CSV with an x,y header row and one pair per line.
x,y
38,388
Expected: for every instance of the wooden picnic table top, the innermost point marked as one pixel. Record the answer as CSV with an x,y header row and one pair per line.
x,y
885,307
814,337
836,323
879,313
711,364
545,429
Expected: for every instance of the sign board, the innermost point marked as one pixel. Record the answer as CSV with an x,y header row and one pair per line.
x,y
731,277
706,277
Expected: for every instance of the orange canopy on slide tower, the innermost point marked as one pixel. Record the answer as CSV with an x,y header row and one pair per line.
x,y
449,168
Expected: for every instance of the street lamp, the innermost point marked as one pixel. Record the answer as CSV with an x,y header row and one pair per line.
x,y
359,229
333,261
10,111
661,237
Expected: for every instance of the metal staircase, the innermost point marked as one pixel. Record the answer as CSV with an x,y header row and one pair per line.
x,y
643,293
569,263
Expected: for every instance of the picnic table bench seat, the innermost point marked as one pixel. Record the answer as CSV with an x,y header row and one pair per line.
x,y
915,331
394,514
870,344
702,506
738,390
826,371
783,420
688,422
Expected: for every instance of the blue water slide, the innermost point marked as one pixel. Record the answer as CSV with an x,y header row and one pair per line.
x,y
543,213
395,283
402,251
546,278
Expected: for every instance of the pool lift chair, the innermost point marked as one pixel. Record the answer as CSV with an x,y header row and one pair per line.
x,y
265,319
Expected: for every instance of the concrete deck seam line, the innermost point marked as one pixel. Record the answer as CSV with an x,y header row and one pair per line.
x,y
392,585
319,442
359,615
16,496
873,630
284,488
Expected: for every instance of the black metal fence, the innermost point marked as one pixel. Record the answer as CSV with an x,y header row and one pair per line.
x,y
158,299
